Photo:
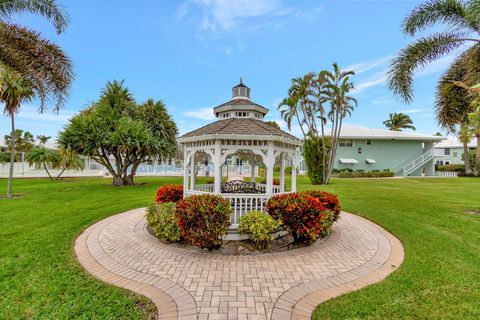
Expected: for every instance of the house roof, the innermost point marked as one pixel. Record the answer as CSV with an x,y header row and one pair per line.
x,y
454,143
352,132
235,127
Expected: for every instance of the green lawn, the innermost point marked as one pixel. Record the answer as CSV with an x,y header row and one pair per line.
x,y
40,278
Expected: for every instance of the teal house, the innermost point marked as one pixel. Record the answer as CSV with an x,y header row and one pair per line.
x,y
451,152
404,153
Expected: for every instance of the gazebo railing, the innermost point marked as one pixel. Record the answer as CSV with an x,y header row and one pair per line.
x,y
204,187
243,203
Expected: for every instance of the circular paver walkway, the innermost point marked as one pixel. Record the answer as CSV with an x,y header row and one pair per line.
x,y
189,284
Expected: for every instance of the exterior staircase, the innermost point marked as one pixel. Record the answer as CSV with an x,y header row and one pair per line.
x,y
417,163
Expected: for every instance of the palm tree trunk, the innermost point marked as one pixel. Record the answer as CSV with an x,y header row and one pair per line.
x,y
46,169
466,158
63,170
12,158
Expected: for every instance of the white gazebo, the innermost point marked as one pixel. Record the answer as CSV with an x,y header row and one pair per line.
x,y
240,129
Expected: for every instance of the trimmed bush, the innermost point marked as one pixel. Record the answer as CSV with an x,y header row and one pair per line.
x,y
259,227
162,220
169,193
451,168
329,200
305,216
203,220
366,174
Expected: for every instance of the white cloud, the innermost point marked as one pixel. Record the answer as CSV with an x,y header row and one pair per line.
x,y
228,14
378,79
361,67
382,101
203,114
217,20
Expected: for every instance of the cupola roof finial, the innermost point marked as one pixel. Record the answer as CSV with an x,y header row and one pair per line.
x,y
241,79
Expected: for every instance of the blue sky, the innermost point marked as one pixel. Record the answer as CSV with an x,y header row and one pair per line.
x,y
190,54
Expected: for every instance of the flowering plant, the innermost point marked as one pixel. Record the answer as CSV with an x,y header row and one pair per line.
x,y
303,215
203,220
169,193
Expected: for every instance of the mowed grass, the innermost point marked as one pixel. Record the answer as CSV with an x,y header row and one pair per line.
x,y
41,279
440,276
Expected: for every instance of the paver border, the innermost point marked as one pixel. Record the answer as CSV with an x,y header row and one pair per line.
x,y
175,302
304,298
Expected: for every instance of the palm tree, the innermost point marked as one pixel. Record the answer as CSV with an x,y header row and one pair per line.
x,y
273,124
67,158
338,88
14,90
463,22
453,103
307,98
23,140
43,139
41,156
24,52
399,121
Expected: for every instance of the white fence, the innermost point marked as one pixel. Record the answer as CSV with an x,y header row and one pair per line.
x,y
446,174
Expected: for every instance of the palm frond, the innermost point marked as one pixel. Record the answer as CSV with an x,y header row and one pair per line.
x,y
49,9
40,61
450,12
416,56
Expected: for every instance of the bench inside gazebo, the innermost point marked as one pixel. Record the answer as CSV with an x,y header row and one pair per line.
x,y
240,130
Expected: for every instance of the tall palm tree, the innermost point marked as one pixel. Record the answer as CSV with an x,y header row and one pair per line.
x,y
24,51
453,102
399,121
462,19
338,88
14,90
43,139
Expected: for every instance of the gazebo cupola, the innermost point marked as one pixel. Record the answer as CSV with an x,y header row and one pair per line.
x,y
240,106
241,132
241,91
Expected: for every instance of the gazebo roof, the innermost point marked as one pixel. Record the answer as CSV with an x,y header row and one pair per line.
x,y
240,127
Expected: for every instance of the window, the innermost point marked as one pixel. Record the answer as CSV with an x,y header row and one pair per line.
x,y
455,154
446,151
242,114
369,142
345,143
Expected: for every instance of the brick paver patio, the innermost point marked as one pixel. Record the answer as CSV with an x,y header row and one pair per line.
x,y
194,284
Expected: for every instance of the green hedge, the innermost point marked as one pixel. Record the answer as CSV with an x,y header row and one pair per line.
x,y
366,174
451,167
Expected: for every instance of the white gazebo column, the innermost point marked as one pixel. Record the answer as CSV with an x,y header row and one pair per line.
x,y
270,163
192,171
294,172
282,172
252,168
185,171
217,159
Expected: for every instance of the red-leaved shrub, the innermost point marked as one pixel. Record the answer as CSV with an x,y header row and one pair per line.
x,y
305,216
203,220
169,193
330,200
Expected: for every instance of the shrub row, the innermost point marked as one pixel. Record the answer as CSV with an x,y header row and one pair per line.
x,y
451,168
366,174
